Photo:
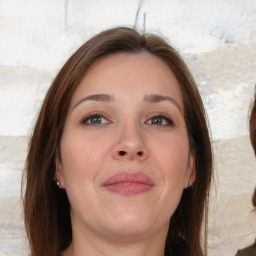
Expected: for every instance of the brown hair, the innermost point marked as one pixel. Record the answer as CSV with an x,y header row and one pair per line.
x,y
252,124
46,208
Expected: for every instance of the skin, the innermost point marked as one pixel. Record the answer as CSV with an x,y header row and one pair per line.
x,y
151,134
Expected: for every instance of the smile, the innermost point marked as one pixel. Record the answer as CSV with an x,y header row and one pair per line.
x,y
129,183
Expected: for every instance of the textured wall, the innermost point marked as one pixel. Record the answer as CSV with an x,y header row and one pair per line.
x,y
218,41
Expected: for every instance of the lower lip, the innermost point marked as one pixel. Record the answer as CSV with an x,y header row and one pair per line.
x,y
129,188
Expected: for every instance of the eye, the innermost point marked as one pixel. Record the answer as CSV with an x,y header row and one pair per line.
x,y
160,120
94,120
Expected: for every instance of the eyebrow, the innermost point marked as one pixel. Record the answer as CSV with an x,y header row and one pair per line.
x,y
156,98
152,98
95,97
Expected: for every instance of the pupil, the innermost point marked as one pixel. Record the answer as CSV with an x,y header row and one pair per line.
x,y
157,120
96,120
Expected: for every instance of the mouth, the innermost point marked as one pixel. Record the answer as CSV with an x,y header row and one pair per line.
x,y
128,183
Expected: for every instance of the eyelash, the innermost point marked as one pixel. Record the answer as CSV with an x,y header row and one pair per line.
x,y
93,115
84,121
168,120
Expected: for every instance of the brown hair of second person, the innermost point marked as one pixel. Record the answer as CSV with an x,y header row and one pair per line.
x,y
252,124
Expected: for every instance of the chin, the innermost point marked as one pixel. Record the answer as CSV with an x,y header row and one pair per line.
x,y
131,224
130,231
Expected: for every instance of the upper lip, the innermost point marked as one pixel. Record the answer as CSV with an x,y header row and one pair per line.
x,y
126,177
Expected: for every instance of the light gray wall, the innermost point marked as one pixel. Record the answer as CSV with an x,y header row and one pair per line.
x,y
216,38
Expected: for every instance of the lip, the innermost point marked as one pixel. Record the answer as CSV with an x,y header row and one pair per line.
x,y
125,183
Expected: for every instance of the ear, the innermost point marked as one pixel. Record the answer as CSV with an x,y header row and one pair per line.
x,y
58,175
191,169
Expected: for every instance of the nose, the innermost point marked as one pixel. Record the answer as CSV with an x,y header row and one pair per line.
x,y
130,144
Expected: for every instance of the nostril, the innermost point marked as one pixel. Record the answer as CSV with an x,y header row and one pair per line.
x,y
122,153
140,153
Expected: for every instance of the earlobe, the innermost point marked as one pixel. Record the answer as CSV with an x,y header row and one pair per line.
x,y
58,175
191,170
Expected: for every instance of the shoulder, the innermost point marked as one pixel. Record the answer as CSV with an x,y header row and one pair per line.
x,y
248,251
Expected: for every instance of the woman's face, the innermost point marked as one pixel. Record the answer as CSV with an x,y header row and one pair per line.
x,y
125,156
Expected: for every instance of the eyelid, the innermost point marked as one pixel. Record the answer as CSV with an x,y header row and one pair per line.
x,y
161,115
94,114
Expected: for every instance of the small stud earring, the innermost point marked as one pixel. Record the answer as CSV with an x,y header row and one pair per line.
x,y
190,184
58,183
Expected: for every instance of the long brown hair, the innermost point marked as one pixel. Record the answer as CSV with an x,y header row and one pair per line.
x,y
46,208
252,124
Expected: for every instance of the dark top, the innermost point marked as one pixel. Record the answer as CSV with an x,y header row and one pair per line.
x,y
248,251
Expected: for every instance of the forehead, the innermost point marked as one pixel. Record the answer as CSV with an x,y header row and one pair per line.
x,y
129,74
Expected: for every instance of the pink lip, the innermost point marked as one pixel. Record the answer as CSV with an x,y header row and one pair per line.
x,y
128,183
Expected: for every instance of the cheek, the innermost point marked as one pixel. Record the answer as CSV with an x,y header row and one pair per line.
x,y
81,157
171,162
172,154
171,158
81,160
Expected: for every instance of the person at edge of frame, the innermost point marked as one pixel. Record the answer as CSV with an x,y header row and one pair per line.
x,y
251,250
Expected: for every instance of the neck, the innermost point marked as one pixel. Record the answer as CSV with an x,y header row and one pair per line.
x,y
93,245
